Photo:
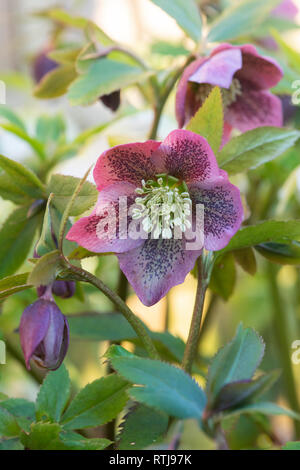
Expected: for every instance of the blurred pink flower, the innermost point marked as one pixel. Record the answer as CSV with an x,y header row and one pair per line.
x,y
244,77
181,170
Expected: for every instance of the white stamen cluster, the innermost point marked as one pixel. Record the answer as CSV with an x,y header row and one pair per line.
x,y
162,208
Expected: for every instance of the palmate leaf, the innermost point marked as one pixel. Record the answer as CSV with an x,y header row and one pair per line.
x,y
16,238
186,14
46,269
53,395
236,361
240,19
23,177
13,284
97,403
281,253
159,385
142,426
8,424
224,276
255,147
56,82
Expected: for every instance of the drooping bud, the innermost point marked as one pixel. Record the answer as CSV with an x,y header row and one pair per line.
x,y
112,100
44,334
43,65
63,289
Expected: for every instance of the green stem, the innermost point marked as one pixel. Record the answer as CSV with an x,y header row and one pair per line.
x,y
283,340
134,321
194,333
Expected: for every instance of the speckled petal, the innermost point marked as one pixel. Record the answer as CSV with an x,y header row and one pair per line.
x,y
223,210
187,156
156,266
129,162
255,109
89,232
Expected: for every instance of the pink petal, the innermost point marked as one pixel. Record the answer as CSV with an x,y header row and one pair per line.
x,y
286,9
186,156
156,266
223,211
261,71
183,92
89,232
129,162
219,69
255,109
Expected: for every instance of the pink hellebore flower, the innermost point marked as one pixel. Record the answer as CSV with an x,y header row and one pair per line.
x,y
244,77
286,9
164,176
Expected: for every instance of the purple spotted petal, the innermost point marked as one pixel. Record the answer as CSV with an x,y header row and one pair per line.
x,y
219,69
255,109
129,162
100,232
223,211
186,156
156,266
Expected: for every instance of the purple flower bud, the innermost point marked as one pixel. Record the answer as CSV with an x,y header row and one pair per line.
x,y
63,289
43,65
44,334
112,100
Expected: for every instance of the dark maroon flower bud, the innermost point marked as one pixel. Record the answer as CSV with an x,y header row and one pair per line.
x,y
42,65
44,334
63,289
112,101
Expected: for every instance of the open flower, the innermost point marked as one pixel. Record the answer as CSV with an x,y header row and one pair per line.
x,y
244,77
162,181
44,334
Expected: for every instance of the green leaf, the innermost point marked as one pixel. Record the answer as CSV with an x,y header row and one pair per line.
x,y
97,403
46,269
63,188
142,427
8,424
270,230
266,408
42,436
224,276
65,56
103,77
255,147
12,117
74,441
209,120
237,394
12,284
290,54
16,237
165,387
186,14
246,259
53,395
22,410
240,19
281,253
50,129
11,444
236,361
291,446
36,146
56,82
47,240
11,191
23,177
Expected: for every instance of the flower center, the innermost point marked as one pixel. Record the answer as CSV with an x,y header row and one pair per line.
x,y
229,95
163,204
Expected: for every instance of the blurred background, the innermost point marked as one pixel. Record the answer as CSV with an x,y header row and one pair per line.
x,y
144,28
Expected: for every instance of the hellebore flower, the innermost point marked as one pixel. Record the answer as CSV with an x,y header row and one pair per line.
x,y
162,181
63,289
112,100
44,334
286,9
244,77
